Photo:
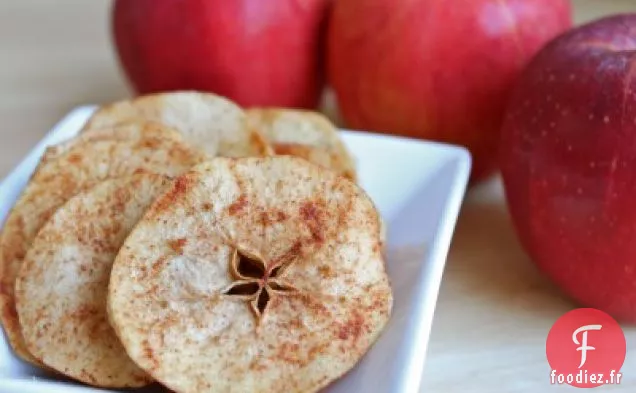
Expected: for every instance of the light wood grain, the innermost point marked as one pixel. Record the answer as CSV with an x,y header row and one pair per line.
x,y
54,55
494,309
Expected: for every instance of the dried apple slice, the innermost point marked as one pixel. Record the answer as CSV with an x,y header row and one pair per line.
x,y
57,180
304,134
63,282
211,122
252,274
125,131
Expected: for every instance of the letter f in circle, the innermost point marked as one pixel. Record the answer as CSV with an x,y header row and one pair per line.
x,y
583,344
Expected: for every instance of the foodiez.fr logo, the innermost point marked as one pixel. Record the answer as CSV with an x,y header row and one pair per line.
x,y
586,348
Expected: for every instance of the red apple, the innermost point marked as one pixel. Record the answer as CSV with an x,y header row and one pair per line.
x,y
256,52
568,158
436,69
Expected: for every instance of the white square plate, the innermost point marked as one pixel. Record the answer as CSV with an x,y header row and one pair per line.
x,y
418,187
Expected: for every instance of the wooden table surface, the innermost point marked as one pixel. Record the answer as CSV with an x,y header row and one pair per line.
x,y
494,309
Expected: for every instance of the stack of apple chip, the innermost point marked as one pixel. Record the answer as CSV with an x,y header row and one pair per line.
x,y
182,240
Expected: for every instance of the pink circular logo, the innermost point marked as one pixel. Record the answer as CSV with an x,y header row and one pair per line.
x,y
586,348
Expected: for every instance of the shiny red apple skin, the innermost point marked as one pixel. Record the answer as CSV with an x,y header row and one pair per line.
x,y
568,158
256,52
436,69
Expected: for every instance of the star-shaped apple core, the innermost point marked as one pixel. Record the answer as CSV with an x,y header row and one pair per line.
x,y
254,282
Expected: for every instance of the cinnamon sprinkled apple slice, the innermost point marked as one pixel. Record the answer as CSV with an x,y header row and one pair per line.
x,y
210,122
277,283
